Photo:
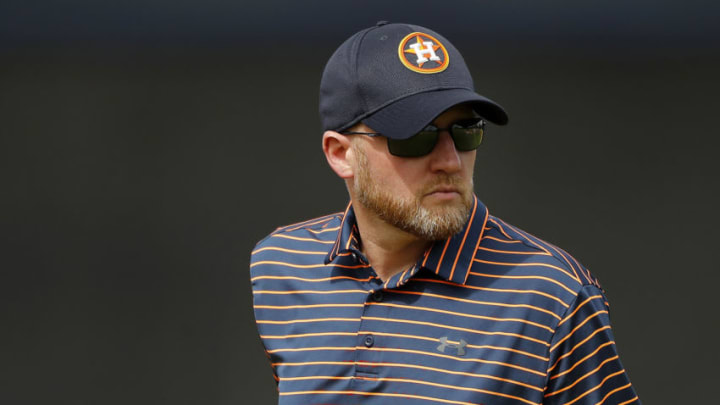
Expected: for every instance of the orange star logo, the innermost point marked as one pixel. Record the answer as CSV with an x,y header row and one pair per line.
x,y
418,49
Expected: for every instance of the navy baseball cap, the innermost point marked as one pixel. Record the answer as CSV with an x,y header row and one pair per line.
x,y
396,78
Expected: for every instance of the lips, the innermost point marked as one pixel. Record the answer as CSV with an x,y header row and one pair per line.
x,y
443,190
446,186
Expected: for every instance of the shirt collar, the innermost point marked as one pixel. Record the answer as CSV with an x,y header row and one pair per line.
x,y
450,259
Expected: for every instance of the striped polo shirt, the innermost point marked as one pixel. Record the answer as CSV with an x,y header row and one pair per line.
x,y
492,315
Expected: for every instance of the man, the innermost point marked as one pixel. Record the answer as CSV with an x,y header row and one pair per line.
x,y
415,294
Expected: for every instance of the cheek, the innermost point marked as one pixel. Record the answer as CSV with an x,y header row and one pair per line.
x,y
410,180
399,176
468,162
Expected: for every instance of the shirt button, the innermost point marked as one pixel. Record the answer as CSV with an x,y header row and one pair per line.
x,y
377,296
369,341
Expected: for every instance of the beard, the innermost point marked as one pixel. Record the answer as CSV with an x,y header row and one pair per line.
x,y
409,214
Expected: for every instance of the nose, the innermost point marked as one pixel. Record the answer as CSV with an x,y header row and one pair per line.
x,y
444,157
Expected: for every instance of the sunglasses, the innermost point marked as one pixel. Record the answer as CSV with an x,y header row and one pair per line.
x,y
466,134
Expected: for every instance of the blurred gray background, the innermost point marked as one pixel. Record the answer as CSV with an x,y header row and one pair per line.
x,y
145,146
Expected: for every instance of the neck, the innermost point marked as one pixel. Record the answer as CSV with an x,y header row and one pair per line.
x,y
389,249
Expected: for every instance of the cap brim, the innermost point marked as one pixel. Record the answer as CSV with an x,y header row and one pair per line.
x,y
406,117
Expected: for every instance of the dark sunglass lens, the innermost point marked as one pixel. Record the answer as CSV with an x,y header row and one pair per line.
x,y
419,144
467,135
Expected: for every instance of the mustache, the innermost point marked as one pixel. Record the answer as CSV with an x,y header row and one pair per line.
x,y
446,182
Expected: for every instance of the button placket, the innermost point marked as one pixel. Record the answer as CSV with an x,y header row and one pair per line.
x,y
366,355
369,340
377,296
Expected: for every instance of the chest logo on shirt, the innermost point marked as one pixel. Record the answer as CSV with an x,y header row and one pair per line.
x,y
455,348
423,53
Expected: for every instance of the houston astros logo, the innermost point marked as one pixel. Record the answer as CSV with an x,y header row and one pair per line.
x,y
423,53
459,346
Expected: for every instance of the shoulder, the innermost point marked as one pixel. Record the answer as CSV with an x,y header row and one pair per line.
x,y
502,237
320,230
517,263
314,236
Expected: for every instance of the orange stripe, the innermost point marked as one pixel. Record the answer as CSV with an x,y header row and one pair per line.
x,y
528,238
308,266
302,252
308,292
595,387
314,349
435,340
577,327
324,230
309,321
576,346
488,376
479,332
501,229
315,377
444,356
412,366
381,394
350,239
544,294
336,248
404,273
427,254
455,387
304,335
502,240
583,359
414,381
307,306
311,280
527,277
586,272
462,243
612,392
498,304
325,377
560,252
477,243
629,401
531,238
510,252
309,222
301,224
529,265
328,242
589,373
578,308
463,314
442,256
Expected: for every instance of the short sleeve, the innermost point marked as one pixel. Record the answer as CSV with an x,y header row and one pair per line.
x,y
584,366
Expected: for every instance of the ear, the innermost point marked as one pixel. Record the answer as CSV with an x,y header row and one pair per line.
x,y
338,153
